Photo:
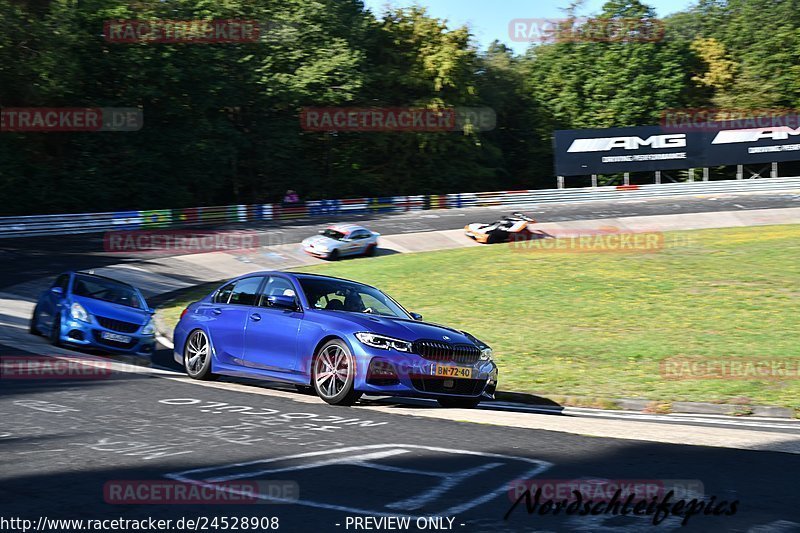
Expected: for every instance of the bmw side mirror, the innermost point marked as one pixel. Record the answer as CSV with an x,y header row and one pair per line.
x,y
282,302
58,291
416,316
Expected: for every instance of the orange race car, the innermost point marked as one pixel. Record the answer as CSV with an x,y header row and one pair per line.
x,y
499,231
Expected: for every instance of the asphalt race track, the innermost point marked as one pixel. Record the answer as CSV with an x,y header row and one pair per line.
x,y
26,259
88,448
65,442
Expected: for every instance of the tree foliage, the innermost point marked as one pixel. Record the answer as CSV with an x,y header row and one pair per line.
x,y
221,120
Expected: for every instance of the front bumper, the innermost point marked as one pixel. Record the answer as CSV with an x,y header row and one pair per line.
x,y
478,237
316,252
90,335
413,376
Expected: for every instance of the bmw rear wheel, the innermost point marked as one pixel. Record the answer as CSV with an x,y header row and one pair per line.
x,y
197,356
334,374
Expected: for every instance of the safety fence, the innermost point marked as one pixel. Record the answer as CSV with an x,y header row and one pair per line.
x,y
36,225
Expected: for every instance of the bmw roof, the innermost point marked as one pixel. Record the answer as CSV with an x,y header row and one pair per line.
x,y
346,229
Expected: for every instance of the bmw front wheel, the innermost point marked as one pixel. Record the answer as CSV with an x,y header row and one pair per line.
x,y
197,356
334,374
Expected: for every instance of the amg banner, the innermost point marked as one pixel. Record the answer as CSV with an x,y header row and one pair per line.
x,y
753,145
650,148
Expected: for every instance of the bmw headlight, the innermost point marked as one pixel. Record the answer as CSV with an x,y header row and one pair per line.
x,y
486,352
77,312
383,342
150,328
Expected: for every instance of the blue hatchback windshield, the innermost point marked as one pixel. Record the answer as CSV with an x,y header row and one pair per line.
x,y
106,290
339,295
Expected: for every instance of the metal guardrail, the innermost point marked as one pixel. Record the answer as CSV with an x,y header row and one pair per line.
x,y
39,225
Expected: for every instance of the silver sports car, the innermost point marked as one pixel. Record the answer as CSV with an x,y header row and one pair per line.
x,y
342,240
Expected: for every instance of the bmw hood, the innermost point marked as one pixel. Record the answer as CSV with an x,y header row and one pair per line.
x,y
114,311
321,241
407,329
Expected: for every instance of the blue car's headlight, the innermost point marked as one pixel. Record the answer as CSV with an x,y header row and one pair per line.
x,y
149,329
486,352
77,312
383,342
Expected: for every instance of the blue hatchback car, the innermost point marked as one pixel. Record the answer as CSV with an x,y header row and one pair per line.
x,y
339,337
86,310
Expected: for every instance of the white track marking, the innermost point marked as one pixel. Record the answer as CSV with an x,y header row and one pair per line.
x,y
451,479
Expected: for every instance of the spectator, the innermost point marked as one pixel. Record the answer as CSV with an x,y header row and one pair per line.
x,y
291,198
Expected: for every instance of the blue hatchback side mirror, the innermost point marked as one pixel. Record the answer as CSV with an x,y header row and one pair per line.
x,y
58,291
416,316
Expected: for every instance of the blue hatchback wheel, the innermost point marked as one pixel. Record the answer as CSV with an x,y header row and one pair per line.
x,y
55,331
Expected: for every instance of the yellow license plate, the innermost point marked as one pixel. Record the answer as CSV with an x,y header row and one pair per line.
x,y
449,371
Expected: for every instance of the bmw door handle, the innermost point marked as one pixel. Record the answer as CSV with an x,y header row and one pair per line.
x,y
255,317
216,311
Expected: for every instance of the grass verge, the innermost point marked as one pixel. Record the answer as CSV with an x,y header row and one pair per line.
x,y
603,324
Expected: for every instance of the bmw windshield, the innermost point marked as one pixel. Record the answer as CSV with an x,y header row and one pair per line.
x,y
338,295
107,291
332,234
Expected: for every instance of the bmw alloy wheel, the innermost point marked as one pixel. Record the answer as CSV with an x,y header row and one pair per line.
x,y
196,356
334,374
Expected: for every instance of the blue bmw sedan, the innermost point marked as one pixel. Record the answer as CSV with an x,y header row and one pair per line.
x,y
339,337
82,309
